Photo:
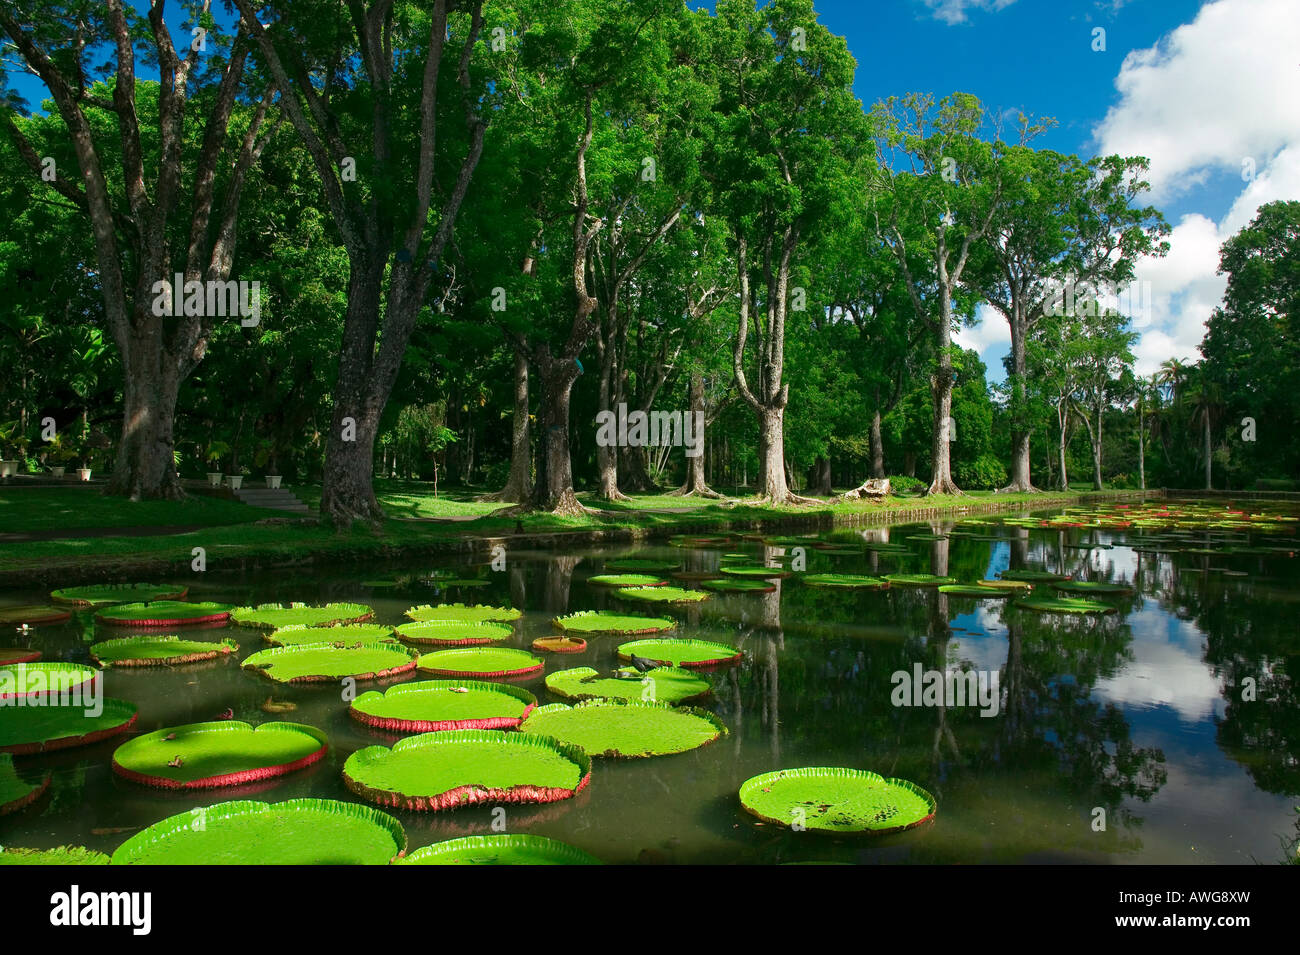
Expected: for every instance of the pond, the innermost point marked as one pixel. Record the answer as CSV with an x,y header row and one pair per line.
x,y
1167,731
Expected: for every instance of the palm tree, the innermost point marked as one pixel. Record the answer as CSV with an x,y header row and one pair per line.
x,y
1204,395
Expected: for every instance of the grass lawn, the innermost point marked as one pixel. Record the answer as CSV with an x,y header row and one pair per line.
x,y
58,509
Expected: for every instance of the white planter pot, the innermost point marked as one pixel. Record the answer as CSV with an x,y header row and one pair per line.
x,y
58,472
214,478
8,468
235,480
273,480
83,474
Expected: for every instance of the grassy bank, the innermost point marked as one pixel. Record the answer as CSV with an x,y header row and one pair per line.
x,y
414,528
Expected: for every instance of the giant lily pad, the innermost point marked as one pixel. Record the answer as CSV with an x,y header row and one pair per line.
x,y
626,729
664,684
44,679
505,849
33,615
561,644
600,621
1072,605
63,855
626,580
1091,587
1033,576
18,655
975,592
738,585
919,580
450,633
158,651
15,791
324,662
224,753
757,572
442,705
836,800
642,564
274,616
437,771
846,581
664,595
41,729
1011,585
162,613
96,595
294,832
460,613
346,633
482,662
692,654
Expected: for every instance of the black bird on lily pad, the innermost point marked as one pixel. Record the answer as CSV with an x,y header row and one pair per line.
x,y
642,664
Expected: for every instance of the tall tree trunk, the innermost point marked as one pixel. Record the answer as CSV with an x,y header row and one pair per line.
x,y
696,485
1209,461
1096,454
821,478
521,460
1142,449
553,490
1065,476
1021,479
877,446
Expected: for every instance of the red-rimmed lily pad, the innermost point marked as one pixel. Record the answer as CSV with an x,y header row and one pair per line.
x,y
974,592
646,565
601,621
626,729
480,662
845,581
663,684
1011,585
1034,576
738,585
563,644
325,663
463,613
61,855
293,832
451,633
748,571
275,616
346,633
433,706
437,771
662,595
158,651
691,654
26,730
626,580
503,849
17,792
218,754
162,613
33,615
834,799
919,580
1067,605
97,595
18,655
45,679
1086,587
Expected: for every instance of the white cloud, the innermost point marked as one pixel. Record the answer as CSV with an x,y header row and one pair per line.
x,y
954,11
1214,93
991,332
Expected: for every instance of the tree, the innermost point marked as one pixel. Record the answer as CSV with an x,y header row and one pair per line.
x,y
1103,356
383,69
166,214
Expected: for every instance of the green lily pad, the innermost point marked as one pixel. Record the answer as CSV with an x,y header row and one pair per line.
x,y
460,613
480,662
42,729
847,581
44,679
450,633
294,832
626,580
1033,576
15,791
511,849
1011,585
762,573
1064,605
436,771
1091,587
739,585
927,537
162,613
919,580
560,644
158,651
601,621
18,655
663,685
643,564
275,616
692,654
663,595
434,706
33,615
626,729
223,753
836,800
63,855
972,590
95,595
347,633
323,662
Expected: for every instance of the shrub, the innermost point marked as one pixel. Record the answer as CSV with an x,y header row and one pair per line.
x,y
902,484
985,472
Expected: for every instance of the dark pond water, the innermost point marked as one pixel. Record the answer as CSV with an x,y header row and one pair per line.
x,y
1139,713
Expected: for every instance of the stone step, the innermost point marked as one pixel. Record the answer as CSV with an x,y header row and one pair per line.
x,y
279,499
